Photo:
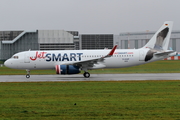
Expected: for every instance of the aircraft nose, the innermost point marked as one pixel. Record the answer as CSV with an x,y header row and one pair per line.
x,y
7,63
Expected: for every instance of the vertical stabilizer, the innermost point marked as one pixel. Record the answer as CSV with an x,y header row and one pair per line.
x,y
161,38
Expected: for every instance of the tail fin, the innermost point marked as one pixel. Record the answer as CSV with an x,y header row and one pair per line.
x,y
161,38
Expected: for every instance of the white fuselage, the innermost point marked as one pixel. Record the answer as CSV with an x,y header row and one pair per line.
x,y
48,59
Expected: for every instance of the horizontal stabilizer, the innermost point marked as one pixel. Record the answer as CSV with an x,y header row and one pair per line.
x,y
169,53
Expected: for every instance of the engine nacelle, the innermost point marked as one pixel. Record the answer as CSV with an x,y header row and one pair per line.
x,y
67,69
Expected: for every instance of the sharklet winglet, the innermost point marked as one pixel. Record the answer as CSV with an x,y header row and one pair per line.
x,y
112,51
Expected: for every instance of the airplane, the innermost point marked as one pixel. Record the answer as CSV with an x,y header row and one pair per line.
x,y
73,61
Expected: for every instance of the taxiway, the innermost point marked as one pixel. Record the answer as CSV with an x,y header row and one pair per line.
x,y
94,77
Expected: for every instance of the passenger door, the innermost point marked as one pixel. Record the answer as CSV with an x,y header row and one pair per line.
x,y
141,55
26,58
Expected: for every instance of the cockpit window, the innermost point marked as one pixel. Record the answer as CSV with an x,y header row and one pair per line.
x,y
15,57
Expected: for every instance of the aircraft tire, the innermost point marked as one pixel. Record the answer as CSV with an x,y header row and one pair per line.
x,y
27,76
86,75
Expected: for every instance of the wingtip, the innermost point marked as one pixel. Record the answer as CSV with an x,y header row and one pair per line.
x,y
112,51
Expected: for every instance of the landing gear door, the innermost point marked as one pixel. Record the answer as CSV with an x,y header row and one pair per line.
x,y
141,55
26,58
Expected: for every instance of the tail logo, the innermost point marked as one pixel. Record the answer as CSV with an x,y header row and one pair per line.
x,y
160,38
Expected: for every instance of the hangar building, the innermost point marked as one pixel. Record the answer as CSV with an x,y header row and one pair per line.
x,y
12,42
96,41
131,40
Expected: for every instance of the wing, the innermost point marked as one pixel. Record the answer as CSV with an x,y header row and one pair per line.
x,y
91,62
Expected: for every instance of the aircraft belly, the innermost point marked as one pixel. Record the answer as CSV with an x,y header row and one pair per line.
x,y
37,65
121,63
44,65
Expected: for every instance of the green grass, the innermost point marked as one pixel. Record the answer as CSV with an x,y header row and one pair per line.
x,y
154,67
94,100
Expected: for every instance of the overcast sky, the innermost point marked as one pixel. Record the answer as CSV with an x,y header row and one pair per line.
x,y
89,16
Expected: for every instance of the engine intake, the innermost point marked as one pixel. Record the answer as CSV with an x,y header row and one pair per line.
x,y
67,69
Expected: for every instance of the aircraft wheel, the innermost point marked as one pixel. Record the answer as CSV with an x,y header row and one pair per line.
x,y
86,75
27,76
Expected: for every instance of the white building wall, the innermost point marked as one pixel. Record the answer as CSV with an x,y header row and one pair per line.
x,y
178,45
54,36
117,41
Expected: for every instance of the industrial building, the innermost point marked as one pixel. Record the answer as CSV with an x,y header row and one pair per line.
x,y
12,42
131,40
96,41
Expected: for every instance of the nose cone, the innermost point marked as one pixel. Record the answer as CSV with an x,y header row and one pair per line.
x,y
8,63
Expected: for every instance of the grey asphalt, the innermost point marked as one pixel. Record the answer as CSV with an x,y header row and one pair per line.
x,y
93,77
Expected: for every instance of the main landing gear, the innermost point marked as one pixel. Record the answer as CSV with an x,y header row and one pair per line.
x,y
28,74
86,74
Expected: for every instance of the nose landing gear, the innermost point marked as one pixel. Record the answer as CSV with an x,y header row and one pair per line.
x,y
28,74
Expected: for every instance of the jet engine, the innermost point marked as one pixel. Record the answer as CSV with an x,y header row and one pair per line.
x,y
67,69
